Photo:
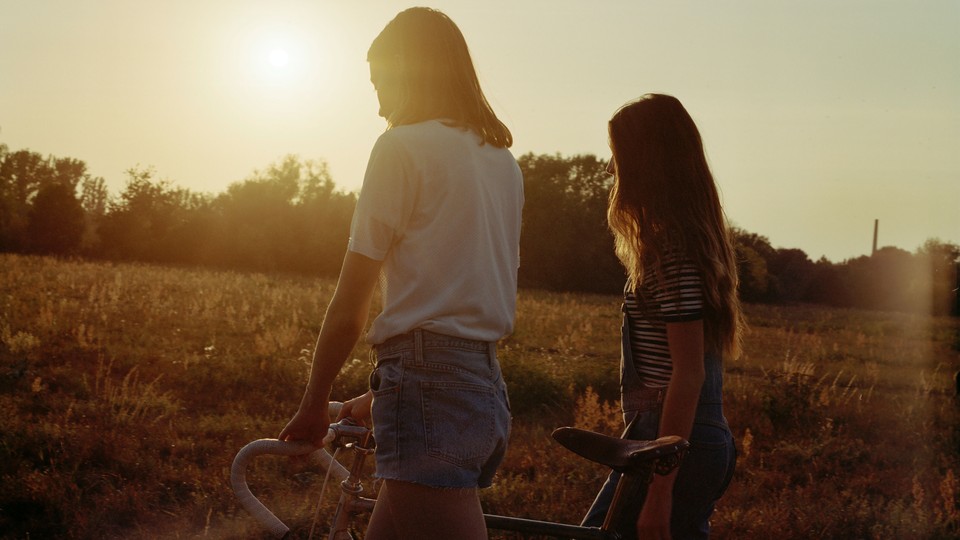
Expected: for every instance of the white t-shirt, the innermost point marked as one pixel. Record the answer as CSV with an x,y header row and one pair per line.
x,y
442,211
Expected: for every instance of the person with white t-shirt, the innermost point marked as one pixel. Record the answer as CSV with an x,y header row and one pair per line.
x,y
437,224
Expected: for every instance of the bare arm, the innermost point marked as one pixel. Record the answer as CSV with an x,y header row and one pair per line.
x,y
679,408
344,321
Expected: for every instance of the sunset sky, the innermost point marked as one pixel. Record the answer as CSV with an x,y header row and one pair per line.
x,y
818,116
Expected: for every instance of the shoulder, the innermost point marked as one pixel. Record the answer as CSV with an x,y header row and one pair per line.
x,y
441,140
414,142
421,131
674,272
676,261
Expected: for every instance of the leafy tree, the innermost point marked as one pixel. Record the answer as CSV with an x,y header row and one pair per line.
x,y
67,171
323,216
792,272
288,217
753,274
826,284
291,217
189,235
258,230
93,198
753,253
55,220
773,275
939,264
21,174
565,243
759,244
138,223
880,281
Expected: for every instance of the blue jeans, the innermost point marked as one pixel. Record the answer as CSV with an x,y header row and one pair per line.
x,y
707,467
441,416
705,473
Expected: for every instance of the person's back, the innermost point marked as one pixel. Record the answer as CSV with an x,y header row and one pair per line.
x,y
449,234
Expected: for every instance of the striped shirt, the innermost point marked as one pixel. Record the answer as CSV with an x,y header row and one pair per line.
x,y
676,295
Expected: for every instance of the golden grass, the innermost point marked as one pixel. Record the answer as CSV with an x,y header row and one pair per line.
x,y
125,391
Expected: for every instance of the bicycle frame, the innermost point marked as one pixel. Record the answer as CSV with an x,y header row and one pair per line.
x,y
548,528
352,504
359,440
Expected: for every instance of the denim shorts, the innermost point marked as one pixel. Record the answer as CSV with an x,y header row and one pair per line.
x,y
441,415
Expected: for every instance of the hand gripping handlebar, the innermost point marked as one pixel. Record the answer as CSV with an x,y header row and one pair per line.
x,y
238,473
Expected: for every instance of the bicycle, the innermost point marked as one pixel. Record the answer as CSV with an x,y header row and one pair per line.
x,y
637,461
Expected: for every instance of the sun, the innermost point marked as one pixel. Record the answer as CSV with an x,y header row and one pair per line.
x,y
278,58
285,63
279,63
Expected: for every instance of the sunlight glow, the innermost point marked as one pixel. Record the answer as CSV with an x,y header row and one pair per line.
x,y
279,58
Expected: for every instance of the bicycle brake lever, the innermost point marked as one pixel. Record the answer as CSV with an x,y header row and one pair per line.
x,y
345,432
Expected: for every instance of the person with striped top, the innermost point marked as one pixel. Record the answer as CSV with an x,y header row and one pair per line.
x,y
681,312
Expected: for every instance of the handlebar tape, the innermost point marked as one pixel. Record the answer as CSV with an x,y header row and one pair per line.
x,y
238,476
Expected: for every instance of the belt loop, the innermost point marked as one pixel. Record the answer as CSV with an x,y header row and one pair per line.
x,y
418,345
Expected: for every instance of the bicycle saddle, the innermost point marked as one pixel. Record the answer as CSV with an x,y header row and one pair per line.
x,y
621,455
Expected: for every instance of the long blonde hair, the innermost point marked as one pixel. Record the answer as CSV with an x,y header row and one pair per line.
x,y
436,78
664,198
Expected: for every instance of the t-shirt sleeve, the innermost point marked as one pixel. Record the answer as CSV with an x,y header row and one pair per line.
x,y
385,203
681,295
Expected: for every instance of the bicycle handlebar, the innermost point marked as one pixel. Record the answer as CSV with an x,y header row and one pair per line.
x,y
238,473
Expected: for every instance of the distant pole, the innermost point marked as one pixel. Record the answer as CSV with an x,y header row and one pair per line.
x,y
876,226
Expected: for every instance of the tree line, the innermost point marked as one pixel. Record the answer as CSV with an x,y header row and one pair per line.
x,y
291,217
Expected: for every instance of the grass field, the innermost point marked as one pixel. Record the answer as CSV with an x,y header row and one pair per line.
x,y
126,390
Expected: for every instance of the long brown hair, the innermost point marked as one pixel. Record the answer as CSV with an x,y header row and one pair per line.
x,y
435,75
664,198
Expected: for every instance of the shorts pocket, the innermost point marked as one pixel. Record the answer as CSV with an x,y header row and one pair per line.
x,y
459,421
386,377
385,382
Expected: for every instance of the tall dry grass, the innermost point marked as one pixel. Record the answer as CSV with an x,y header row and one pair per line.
x,y
125,391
